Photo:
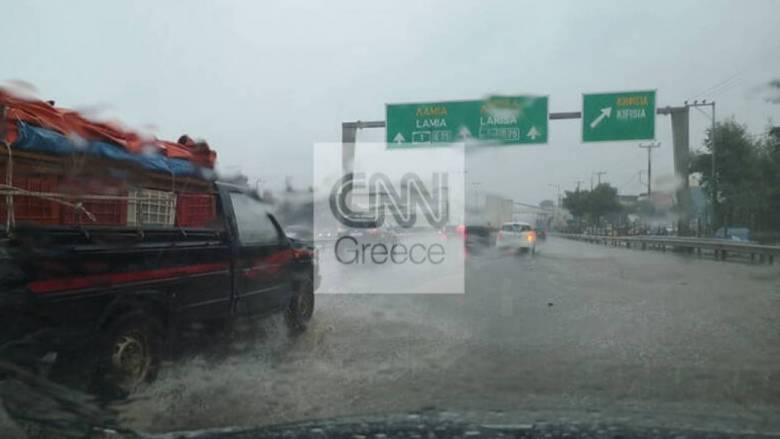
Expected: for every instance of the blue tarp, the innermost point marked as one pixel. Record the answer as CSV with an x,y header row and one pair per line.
x,y
33,138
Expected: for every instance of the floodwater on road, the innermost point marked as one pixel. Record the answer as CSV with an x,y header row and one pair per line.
x,y
577,326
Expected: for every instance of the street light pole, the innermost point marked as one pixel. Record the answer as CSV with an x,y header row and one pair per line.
x,y
649,147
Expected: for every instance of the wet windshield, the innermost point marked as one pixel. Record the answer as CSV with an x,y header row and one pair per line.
x,y
240,214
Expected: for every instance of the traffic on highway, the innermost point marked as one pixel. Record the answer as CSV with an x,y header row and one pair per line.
x,y
439,219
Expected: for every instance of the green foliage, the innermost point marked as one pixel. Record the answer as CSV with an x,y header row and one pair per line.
x,y
592,205
576,203
603,200
747,176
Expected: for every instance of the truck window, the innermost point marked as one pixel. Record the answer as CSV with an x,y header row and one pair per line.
x,y
252,220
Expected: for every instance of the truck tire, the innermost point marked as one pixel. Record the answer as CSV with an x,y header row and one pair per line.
x,y
301,307
128,354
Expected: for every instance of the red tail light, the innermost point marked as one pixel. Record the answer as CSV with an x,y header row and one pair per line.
x,y
461,230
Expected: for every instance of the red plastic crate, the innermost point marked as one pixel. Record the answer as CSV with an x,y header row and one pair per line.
x,y
30,208
195,210
106,212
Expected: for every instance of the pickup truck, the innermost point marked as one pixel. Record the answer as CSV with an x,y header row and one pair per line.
x,y
113,299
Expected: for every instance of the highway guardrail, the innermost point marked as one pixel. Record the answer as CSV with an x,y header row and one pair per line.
x,y
720,247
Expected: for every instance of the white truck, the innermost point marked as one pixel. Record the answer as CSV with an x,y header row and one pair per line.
x,y
497,211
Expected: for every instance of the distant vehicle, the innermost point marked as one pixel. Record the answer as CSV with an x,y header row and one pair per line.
x,y
517,236
325,236
374,234
541,234
733,233
475,238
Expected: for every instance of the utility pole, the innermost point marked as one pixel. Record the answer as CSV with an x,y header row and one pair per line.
x,y
649,147
713,174
599,174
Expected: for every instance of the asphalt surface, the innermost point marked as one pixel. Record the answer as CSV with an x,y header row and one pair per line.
x,y
577,327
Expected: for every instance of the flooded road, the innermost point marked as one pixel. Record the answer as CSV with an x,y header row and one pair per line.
x,y
577,326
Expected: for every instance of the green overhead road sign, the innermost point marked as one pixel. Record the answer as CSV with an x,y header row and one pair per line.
x,y
618,116
505,120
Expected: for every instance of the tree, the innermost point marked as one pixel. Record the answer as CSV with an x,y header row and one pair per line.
x,y
769,217
576,202
592,205
603,200
738,174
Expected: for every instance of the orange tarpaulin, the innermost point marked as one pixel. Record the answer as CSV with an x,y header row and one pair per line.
x,y
69,122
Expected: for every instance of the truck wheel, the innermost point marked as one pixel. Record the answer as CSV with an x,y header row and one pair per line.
x,y
128,354
301,307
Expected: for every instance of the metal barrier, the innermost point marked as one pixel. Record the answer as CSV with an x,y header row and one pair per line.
x,y
720,247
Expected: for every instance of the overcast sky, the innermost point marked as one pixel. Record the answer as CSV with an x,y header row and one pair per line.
x,y
264,81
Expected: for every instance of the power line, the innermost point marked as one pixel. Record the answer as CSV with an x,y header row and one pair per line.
x,y
726,89
717,85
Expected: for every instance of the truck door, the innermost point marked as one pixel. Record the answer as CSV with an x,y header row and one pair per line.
x,y
259,279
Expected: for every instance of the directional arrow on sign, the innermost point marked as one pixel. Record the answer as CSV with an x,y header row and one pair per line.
x,y
605,112
533,133
399,138
464,133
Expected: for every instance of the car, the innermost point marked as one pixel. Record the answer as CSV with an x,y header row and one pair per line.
x,y
325,236
374,233
517,236
476,238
